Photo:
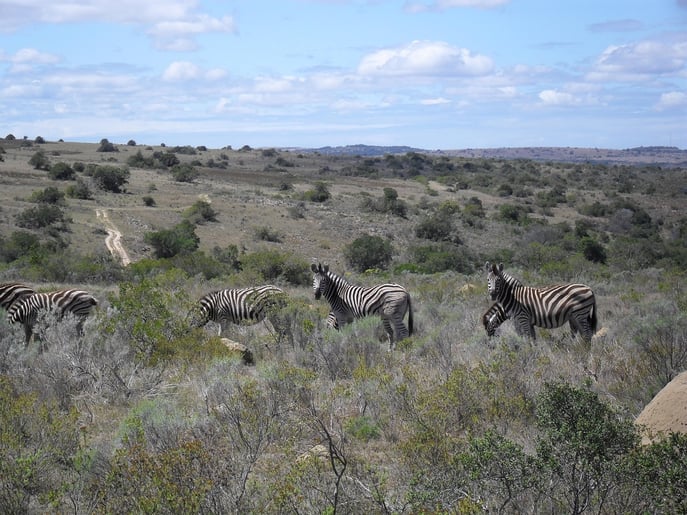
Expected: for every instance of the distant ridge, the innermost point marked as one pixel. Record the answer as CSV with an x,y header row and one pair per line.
x,y
650,155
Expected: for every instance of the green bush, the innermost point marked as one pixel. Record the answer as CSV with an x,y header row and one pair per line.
x,y
106,146
79,190
431,259
40,161
43,215
201,212
319,194
49,195
368,252
184,173
111,178
170,242
61,172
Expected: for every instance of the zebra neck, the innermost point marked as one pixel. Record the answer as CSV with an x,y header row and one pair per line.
x,y
338,287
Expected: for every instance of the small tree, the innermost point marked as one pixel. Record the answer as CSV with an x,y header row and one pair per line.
x,y
201,212
368,252
111,178
61,172
170,242
184,173
40,161
106,146
79,190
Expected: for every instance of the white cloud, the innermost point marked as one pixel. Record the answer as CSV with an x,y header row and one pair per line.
x,y
180,71
672,100
435,101
557,98
174,23
633,61
425,58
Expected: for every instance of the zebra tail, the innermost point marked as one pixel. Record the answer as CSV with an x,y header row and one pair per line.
x,y
593,319
410,317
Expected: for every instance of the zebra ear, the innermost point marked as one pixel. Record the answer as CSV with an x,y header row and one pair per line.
x,y
500,267
487,266
326,268
313,267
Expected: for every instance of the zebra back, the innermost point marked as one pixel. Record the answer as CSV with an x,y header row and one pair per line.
x,y
13,292
238,304
550,306
78,302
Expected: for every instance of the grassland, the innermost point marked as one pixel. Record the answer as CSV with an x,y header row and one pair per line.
x,y
143,413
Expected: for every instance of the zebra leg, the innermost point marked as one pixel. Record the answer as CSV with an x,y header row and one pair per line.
x,y
390,332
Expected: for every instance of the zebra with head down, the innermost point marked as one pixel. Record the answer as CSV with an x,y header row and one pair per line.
x,y
493,318
13,292
549,307
237,305
348,302
76,302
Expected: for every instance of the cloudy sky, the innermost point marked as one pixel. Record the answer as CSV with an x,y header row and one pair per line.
x,y
434,74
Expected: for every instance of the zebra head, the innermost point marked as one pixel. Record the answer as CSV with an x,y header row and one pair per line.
x,y
495,280
319,278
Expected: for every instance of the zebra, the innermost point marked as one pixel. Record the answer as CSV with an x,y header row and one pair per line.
x,y
237,305
549,307
77,302
13,292
348,302
493,318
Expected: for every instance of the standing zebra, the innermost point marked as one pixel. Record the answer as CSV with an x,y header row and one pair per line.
x,y
493,318
13,292
549,307
237,305
348,302
77,302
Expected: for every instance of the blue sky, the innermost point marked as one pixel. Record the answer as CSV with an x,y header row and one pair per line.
x,y
433,74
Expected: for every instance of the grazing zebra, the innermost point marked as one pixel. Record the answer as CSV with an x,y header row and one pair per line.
x,y
13,292
77,302
237,305
549,307
493,318
348,302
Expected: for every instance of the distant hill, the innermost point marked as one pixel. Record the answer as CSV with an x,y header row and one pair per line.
x,y
652,155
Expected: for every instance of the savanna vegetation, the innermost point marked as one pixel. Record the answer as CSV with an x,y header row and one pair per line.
x,y
145,414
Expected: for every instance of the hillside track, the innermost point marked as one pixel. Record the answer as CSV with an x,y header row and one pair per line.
x,y
113,241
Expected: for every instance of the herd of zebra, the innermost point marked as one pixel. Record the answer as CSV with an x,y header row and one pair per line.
x,y
547,307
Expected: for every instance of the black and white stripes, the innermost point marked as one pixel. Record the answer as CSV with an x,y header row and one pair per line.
x,y
348,302
79,303
548,307
493,318
13,292
236,305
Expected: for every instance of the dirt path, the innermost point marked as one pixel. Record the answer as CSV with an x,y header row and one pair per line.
x,y
113,242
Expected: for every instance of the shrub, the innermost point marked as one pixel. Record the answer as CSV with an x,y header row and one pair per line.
x,y
514,214
201,212
437,227
149,201
167,159
111,178
593,250
430,259
319,194
184,173
39,140
138,160
49,195
170,242
61,172
40,216
106,146
264,233
131,143
40,161
79,190
368,252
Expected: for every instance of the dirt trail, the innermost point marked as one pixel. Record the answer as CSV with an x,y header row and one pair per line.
x,y
113,242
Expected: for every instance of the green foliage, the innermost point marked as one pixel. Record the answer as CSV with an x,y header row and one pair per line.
x,y
110,178
265,233
79,190
389,203
148,201
49,195
37,444
61,172
583,441
19,244
200,212
593,250
106,146
368,252
43,215
430,259
168,159
184,173
514,214
40,161
170,242
438,227
138,160
319,194
270,265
